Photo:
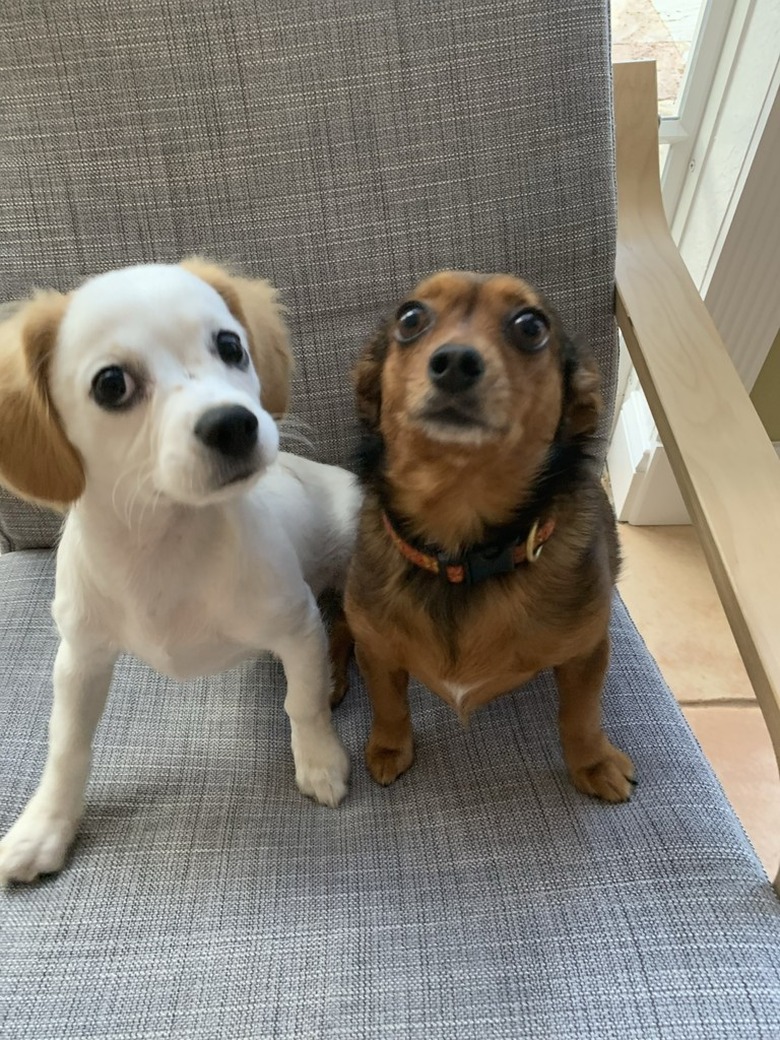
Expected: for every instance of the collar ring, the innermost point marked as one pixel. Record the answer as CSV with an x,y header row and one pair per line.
x,y
533,551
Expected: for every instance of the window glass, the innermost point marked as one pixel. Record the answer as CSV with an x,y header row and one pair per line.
x,y
663,30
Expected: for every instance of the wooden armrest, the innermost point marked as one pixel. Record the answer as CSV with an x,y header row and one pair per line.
x,y
726,467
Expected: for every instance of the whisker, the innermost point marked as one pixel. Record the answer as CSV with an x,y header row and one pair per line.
x,y
293,430
143,471
129,471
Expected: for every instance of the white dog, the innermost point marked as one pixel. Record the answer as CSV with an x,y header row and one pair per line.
x,y
189,541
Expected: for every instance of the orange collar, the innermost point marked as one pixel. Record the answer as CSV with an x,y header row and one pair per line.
x,y
479,562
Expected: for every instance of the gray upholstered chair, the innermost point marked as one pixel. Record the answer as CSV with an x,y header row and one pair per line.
x,y
344,149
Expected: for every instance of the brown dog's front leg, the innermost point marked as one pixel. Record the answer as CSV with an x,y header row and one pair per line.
x,y
595,766
390,748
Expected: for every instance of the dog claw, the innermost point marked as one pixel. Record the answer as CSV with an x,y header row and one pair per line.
x,y
323,788
34,846
340,688
322,772
386,764
611,778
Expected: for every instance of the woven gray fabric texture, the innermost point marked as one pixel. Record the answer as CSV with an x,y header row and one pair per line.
x,y
341,149
25,526
344,149
480,896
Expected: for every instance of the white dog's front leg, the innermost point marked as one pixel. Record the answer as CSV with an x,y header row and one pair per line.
x,y
321,763
38,842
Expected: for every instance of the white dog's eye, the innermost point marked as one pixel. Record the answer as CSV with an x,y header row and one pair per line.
x,y
113,388
230,349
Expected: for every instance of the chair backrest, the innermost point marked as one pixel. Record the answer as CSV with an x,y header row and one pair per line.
x,y
343,149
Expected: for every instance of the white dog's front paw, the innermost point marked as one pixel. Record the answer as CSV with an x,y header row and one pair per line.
x,y
36,844
321,766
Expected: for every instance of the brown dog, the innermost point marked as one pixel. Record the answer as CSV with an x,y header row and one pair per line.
x,y
487,548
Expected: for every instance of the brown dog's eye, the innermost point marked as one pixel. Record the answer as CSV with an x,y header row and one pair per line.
x,y
113,388
411,320
528,330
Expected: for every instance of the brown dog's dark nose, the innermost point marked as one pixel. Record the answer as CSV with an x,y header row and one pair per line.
x,y
454,368
229,429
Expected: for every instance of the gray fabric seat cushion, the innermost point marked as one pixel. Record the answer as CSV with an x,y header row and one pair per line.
x,y
26,526
480,896
342,149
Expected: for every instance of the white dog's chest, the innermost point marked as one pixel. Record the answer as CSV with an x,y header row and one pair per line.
x,y
188,661
210,587
182,640
181,616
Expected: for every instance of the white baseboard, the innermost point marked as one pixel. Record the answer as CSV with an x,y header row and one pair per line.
x,y
644,490
657,500
632,438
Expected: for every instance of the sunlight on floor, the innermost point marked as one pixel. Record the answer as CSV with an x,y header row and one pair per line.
x,y
668,590
659,29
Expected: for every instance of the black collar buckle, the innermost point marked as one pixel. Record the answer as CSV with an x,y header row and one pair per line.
x,y
487,562
482,563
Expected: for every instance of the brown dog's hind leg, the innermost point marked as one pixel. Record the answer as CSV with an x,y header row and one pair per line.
x,y
390,748
340,643
595,766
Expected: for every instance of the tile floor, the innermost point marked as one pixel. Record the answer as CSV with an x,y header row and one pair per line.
x,y
659,29
666,583
668,590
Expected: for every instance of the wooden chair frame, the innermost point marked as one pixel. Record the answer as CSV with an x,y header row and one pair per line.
x,y
725,465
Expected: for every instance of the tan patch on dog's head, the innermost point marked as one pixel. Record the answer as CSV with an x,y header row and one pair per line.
x,y
36,459
253,302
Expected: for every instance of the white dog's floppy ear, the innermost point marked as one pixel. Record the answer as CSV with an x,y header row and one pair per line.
x,y
37,461
253,302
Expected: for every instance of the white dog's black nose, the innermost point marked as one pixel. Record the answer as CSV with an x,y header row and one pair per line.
x,y
229,429
455,368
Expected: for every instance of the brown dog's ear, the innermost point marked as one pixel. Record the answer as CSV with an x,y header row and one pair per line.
x,y
367,378
254,303
582,391
37,461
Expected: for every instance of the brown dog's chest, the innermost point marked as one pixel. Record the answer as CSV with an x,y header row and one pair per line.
x,y
492,648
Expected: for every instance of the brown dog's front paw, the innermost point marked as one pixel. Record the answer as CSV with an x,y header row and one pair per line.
x,y
611,778
385,764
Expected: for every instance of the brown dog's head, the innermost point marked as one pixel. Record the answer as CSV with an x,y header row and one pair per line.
x,y
476,360
471,386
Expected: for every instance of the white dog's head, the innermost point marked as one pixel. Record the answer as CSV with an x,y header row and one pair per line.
x,y
152,381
